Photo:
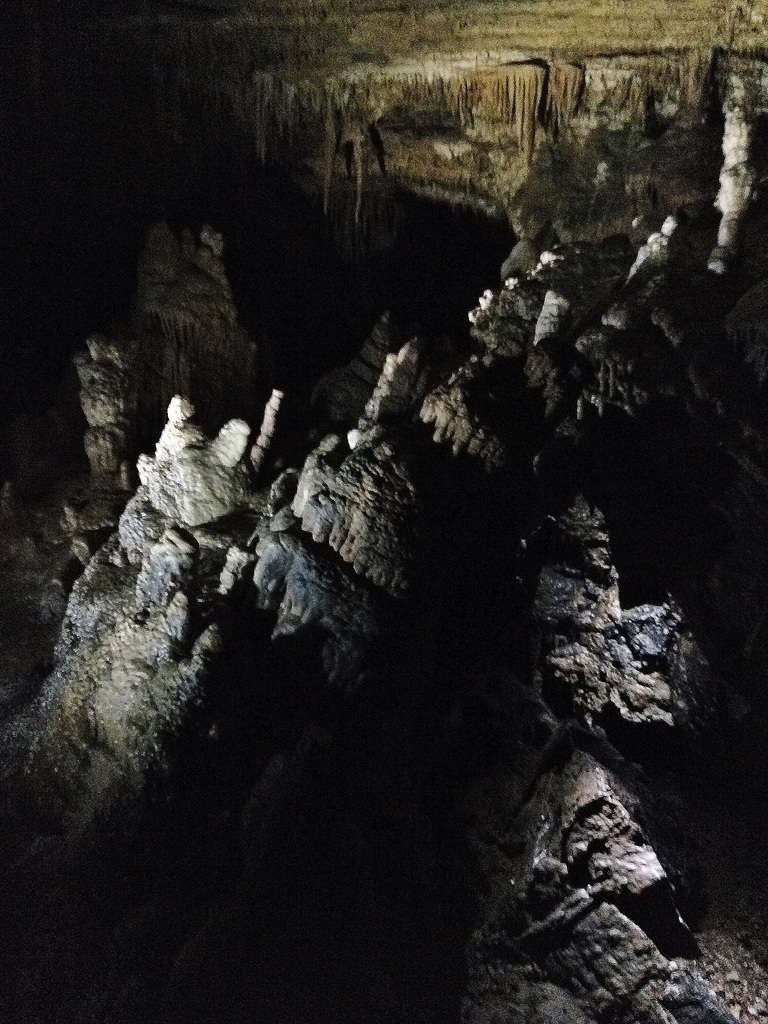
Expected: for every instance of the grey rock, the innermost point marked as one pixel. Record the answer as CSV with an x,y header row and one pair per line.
x,y
364,505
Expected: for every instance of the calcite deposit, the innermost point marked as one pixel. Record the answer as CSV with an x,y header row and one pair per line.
x,y
194,479
424,686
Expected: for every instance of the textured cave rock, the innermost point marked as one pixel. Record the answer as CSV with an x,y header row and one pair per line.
x,y
652,341
191,338
401,385
108,395
129,666
427,822
307,588
579,917
183,337
640,661
341,395
140,630
194,479
449,408
363,503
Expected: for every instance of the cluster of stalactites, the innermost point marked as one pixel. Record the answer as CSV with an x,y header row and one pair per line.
x,y
527,97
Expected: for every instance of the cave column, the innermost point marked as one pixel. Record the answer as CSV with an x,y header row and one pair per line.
x,y
737,175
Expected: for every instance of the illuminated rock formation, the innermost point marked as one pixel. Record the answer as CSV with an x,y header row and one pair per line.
x,y
449,408
363,503
737,176
191,342
129,667
108,395
594,655
192,479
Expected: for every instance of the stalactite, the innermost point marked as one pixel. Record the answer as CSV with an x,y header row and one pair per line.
x,y
565,89
528,91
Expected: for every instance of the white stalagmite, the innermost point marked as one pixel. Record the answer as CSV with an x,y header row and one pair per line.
x,y
268,425
736,177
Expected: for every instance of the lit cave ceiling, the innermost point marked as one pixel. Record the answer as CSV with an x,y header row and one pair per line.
x,y
371,652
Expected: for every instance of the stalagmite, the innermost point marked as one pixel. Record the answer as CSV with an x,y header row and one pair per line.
x,y
401,385
341,394
553,316
268,425
736,177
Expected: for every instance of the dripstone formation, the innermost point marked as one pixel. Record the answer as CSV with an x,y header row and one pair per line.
x,y
427,690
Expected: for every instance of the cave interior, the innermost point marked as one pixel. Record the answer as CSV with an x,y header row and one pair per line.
x,y
384,462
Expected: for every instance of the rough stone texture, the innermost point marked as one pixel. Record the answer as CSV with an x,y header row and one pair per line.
x,y
140,526
128,670
600,656
401,385
449,408
505,323
737,176
268,426
341,395
185,315
193,479
306,588
349,891
574,884
108,395
364,504
184,337
652,342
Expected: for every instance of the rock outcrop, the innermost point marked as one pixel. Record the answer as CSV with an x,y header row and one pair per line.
x,y
183,337
141,630
449,408
640,662
363,503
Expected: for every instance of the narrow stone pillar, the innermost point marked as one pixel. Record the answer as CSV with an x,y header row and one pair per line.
x,y
736,177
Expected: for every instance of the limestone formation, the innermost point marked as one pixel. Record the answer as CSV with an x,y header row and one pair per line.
x,y
449,408
505,323
341,395
639,662
130,665
401,385
553,318
193,479
268,426
182,288
577,896
307,588
382,729
190,338
184,337
108,395
737,175
652,341
364,504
